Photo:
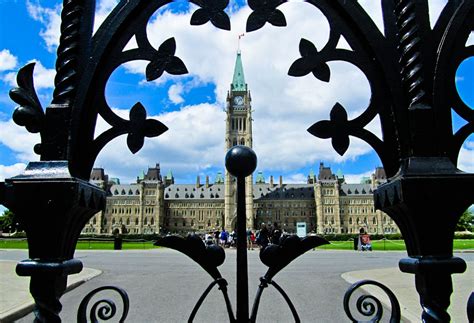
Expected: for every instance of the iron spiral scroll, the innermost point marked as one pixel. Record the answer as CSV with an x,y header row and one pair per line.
x,y
370,306
103,309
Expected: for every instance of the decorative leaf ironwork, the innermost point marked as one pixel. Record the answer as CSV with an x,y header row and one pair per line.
x,y
213,11
278,256
164,60
311,61
208,257
265,11
29,113
141,127
336,129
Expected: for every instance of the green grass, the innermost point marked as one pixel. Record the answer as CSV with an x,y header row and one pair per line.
x,y
335,245
391,245
84,245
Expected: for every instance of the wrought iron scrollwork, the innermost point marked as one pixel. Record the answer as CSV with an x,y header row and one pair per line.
x,y
265,11
104,309
29,113
209,257
277,257
212,11
370,306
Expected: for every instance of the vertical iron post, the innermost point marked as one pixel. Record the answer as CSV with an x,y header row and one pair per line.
x,y
241,161
242,268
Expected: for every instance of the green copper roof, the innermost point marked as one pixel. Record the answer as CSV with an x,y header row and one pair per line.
x,y
238,82
311,173
339,173
260,178
169,175
219,178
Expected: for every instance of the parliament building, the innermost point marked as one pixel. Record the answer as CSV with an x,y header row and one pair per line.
x,y
326,204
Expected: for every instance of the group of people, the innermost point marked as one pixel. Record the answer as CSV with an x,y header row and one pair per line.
x,y
261,238
223,238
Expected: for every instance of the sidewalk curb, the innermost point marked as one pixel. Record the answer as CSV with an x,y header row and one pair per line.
x,y
28,306
403,286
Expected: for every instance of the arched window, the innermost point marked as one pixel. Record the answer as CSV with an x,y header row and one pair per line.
x,y
350,220
242,141
145,221
234,143
128,221
136,221
152,221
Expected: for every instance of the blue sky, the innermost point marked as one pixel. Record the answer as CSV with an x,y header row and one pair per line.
x,y
192,105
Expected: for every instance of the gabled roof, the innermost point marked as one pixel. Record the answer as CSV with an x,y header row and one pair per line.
x,y
191,192
284,192
355,189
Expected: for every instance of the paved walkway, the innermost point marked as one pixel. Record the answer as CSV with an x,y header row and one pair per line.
x,y
403,286
15,298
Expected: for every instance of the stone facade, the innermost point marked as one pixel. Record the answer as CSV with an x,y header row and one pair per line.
x,y
326,203
155,204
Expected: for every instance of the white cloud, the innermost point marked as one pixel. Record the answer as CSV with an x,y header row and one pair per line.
x,y
174,93
51,19
296,178
356,178
42,76
7,60
193,143
284,107
20,141
7,171
466,157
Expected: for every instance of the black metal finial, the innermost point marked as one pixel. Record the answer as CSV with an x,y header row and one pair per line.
x,y
241,161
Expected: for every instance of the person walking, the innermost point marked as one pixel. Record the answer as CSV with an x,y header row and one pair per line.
x,y
249,239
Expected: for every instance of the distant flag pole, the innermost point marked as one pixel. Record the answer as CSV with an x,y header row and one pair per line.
x,y
238,43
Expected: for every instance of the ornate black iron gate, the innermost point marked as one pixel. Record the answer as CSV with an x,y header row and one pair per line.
x,y
411,71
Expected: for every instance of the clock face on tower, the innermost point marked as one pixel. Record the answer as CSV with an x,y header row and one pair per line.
x,y
239,100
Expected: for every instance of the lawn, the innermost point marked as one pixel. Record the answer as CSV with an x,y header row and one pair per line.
x,y
129,245
83,245
391,245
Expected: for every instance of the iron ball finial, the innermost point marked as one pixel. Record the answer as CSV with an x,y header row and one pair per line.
x,y
241,161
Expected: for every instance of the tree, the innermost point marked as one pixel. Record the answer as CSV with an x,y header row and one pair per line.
x,y
9,222
465,221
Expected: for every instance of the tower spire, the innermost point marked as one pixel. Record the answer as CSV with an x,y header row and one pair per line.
x,y
238,81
